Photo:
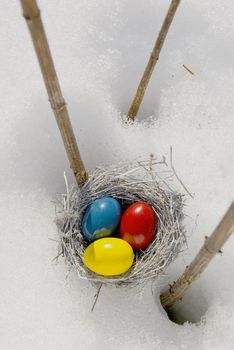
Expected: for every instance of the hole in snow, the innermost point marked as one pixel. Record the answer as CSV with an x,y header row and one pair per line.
x,y
191,308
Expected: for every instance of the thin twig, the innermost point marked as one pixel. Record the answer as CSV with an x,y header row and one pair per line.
x,y
57,256
189,70
153,60
210,248
96,297
175,173
32,16
52,239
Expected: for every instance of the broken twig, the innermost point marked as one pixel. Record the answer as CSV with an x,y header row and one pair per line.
x,y
189,70
32,16
153,60
210,248
96,297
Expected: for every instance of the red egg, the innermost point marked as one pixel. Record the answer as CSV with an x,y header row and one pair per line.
x,y
138,225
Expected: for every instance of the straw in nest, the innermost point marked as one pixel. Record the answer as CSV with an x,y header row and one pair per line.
x,y
128,184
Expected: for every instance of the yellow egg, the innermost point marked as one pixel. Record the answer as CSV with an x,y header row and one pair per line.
x,y
109,256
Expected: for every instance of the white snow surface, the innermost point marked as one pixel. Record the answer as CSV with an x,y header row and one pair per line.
x,y
100,49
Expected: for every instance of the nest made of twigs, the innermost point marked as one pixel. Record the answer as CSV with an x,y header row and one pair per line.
x,y
128,184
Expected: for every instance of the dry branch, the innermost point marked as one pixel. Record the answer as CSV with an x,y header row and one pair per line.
x,y
153,60
32,16
210,248
187,69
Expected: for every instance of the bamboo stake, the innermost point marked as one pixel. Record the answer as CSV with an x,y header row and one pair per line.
x,y
153,60
32,16
210,248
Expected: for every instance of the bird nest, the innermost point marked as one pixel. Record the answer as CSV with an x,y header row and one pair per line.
x,y
128,183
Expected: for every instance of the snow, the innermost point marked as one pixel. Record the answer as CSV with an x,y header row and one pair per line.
x,y
100,49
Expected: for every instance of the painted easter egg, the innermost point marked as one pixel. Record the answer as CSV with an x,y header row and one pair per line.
x,y
101,218
109,256
138,225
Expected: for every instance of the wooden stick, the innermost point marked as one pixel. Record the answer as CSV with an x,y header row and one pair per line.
x,y
32,16
153,60
210,248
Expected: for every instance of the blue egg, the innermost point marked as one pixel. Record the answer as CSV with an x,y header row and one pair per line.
x,y
101,218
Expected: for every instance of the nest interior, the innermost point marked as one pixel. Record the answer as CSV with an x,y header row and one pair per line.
x,y
127,183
